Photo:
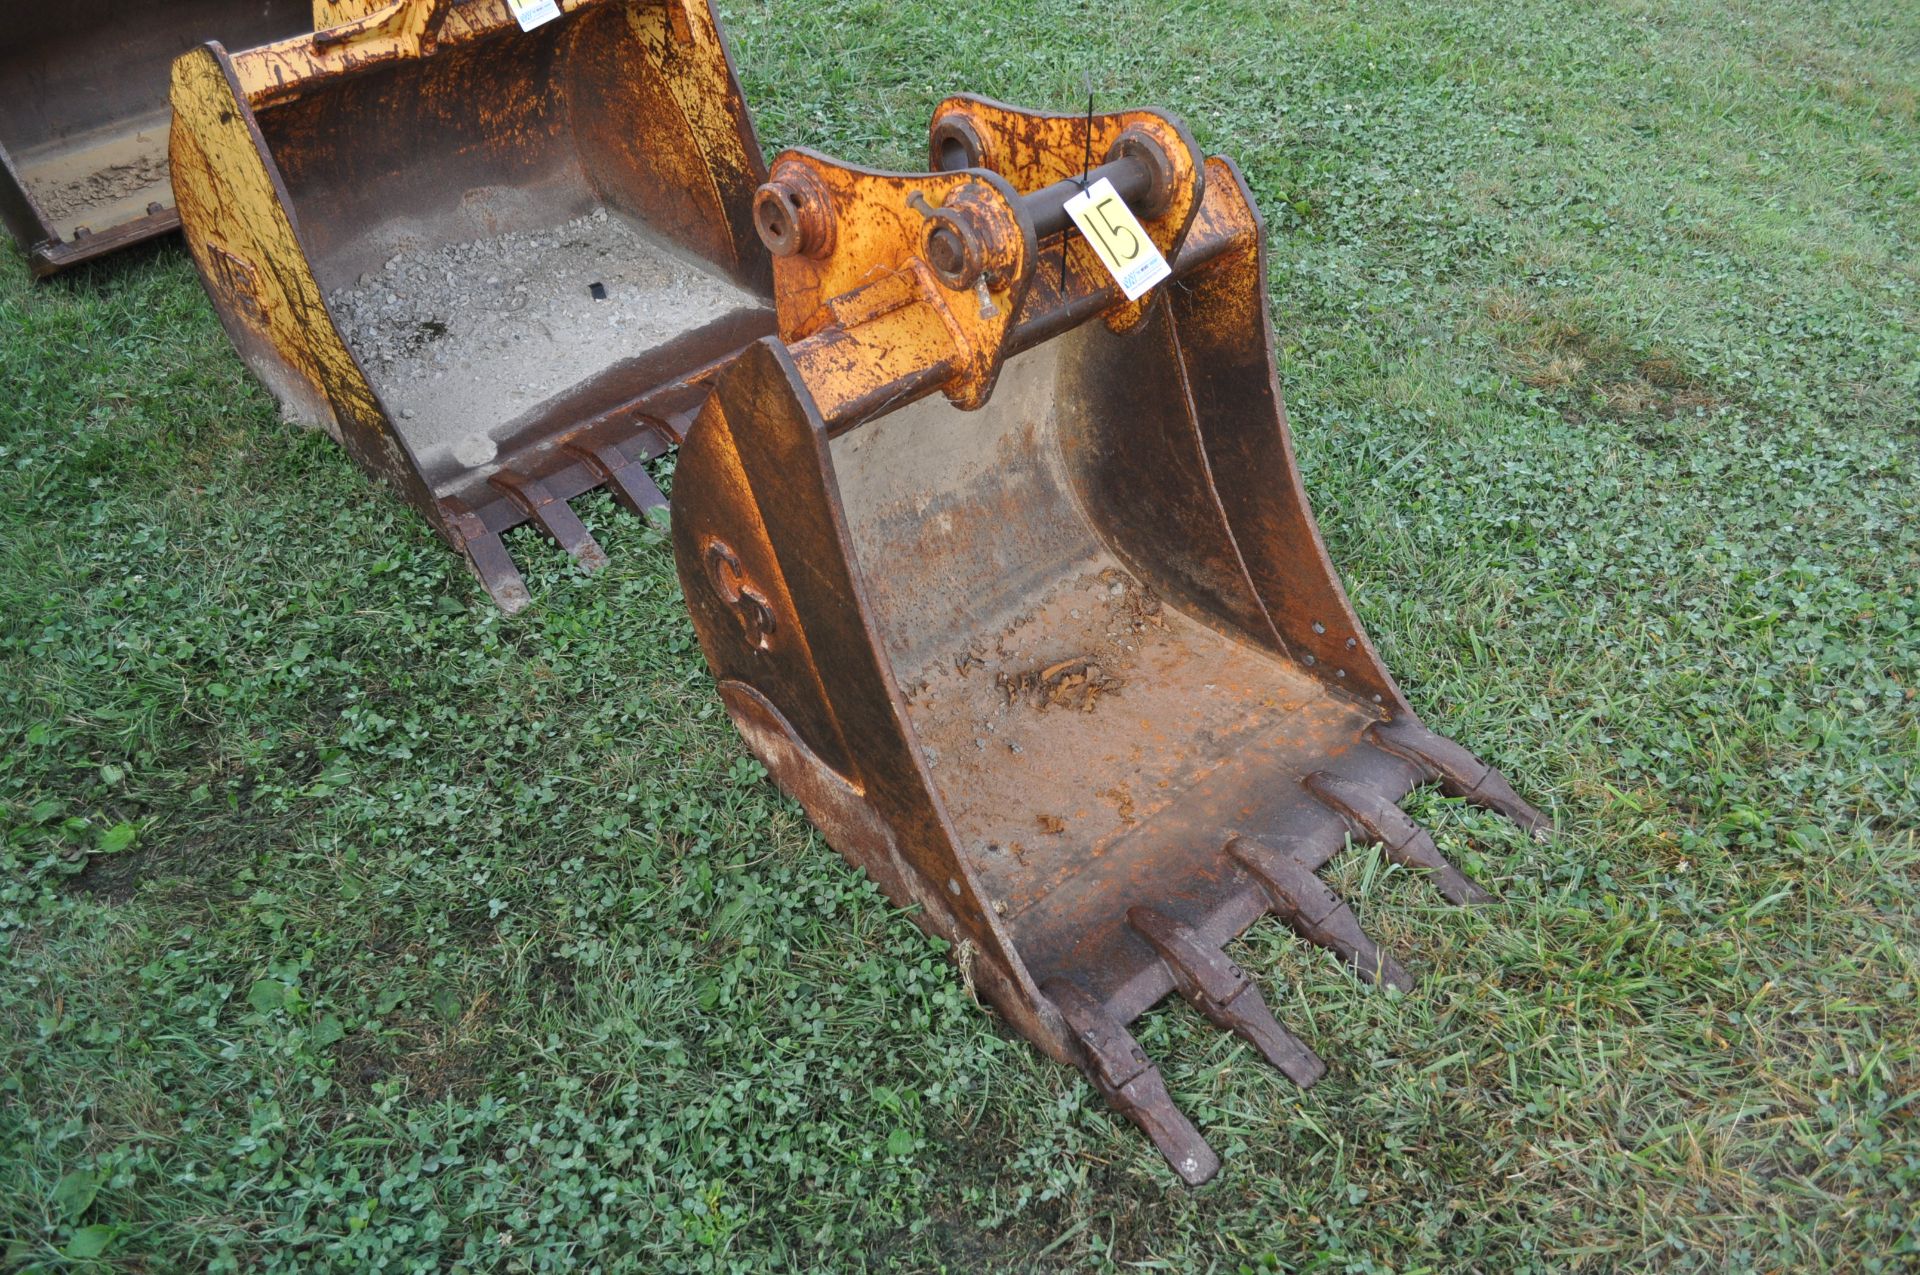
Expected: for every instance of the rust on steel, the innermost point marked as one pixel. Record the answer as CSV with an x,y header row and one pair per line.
x,y
1014,586
302,165
83,116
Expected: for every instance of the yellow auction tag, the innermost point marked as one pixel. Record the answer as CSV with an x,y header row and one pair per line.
x,y
1117,238
533,13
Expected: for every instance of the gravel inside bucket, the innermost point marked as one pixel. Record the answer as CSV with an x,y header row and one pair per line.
x,y
464,339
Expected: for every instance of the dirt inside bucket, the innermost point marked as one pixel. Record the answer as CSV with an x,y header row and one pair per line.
x,y
103,179
463,340
1064,733
1080,726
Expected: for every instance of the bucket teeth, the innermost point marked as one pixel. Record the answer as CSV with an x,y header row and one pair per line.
x,y
1223,993
1459,772
1308,905
1122,1073
628,480
553,516
1406,843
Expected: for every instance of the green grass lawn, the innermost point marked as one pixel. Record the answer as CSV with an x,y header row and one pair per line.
x,y
349,925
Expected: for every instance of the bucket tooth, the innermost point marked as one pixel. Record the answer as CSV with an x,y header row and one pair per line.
x,y
1406,843
553,516
1122,1073
1314,912
1459,772
1223,993
627,479
488,555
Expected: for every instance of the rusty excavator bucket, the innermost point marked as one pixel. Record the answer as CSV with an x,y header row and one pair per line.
x,y
498,258
1012,583
83,115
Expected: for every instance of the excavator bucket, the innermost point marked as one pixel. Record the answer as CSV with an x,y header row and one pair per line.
x,y
499,258
83,115
1012,583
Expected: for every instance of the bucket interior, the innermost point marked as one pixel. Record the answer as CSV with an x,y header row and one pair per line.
x,y
84,115
512,232
1095,729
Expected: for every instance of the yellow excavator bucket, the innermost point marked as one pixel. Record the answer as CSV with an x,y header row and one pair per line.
x,y
499,262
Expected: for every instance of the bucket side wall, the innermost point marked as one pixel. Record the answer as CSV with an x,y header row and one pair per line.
x,y
237,223
1225,342
780,604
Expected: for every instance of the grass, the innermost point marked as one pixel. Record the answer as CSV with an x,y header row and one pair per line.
x,y
349,925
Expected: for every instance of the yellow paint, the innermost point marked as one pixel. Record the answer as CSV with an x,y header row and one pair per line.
x,y
233,215
683,42
878,239
238,223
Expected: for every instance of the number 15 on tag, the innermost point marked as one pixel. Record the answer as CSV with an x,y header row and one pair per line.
x,y
1118,239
